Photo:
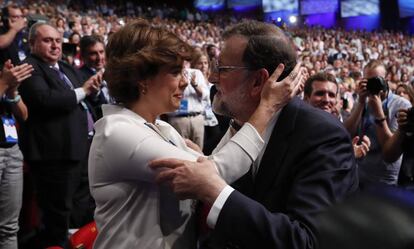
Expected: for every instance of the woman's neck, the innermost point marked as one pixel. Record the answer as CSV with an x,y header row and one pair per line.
x,y
145,111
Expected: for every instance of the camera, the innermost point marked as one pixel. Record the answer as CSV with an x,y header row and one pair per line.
x,y
376,84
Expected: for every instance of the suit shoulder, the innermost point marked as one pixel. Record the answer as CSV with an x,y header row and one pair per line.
x,y
317,119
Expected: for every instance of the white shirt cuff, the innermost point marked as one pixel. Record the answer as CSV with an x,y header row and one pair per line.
x,y
80,94
218,205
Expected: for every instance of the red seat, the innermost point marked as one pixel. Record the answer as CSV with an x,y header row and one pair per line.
x,y
84,237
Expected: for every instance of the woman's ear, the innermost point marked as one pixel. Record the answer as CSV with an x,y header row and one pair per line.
x,y
143,87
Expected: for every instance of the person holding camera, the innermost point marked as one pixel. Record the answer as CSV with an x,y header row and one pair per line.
x,y
374,113
400,143
13,40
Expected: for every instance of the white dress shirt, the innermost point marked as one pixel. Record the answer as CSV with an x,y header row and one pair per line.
x,y
132,211
225,193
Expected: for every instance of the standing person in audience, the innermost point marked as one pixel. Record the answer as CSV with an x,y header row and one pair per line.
x,y
401,142
376,110
307,164
188,120
144,73
12,111
92,51
405,91
13,35
321,91
54,137
211,130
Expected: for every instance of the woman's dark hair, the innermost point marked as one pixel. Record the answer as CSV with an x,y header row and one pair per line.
x,y
137,52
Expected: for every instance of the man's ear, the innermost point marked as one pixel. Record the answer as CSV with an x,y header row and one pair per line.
x,y
260,78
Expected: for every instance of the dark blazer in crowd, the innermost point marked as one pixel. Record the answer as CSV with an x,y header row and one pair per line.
x,y
96,101
307,166
57,126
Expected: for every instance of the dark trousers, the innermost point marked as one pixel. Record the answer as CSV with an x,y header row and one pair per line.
x,y
83,203
56,183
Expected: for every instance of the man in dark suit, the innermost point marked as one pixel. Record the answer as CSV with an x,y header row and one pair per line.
x,y
54,137
92,51
307,164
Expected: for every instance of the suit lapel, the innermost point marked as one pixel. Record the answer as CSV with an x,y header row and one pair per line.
x,y
276,149
70,74
51,73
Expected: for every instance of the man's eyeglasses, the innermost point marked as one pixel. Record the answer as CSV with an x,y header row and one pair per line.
x,y
216,68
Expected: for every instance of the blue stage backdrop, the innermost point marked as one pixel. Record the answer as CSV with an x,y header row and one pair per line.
x,y
350,8
243,4
406,8
310,7
281,9
209,4
281,5
360,14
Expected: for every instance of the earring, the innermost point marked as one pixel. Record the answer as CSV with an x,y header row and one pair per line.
x,y
143,89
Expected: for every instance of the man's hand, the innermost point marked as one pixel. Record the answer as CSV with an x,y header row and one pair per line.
x,y
362,91
276,94
18,24
93,84
361,149
404,123
190,180
375,103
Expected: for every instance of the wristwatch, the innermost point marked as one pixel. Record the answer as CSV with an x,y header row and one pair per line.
x,y
14,100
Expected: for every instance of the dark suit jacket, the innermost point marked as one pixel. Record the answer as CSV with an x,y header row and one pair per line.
x,y
95,101
307,166
57,127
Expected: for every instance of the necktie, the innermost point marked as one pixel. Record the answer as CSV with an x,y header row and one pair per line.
x,y
63,77
67,81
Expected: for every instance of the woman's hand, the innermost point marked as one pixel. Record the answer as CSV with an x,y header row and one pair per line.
x,y
14,75
276,94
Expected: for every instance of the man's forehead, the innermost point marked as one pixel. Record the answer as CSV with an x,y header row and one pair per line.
x,y
324,84
233,48
48,31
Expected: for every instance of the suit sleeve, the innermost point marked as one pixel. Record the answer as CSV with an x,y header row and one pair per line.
x,y
322,176
39,94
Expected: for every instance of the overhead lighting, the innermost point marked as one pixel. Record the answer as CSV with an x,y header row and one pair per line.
x,y
292,19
